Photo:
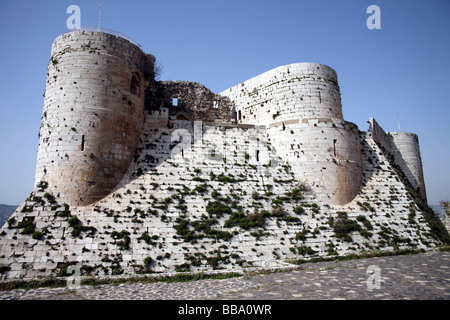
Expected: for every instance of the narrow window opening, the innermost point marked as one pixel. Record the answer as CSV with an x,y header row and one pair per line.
x,y
82,142
175,102
257,155
320,98
234,114
334,146
182,153
135,84
239,115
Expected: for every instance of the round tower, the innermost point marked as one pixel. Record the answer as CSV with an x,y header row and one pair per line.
x,y
93,114
301,106
406,152
296,91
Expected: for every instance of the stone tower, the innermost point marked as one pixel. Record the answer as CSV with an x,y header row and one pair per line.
x,y
406,153
301,105
93,114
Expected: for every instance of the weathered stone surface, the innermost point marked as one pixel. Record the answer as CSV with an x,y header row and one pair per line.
x,y
301,104
92,117
193,101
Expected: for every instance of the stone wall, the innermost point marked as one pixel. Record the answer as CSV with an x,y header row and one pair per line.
x,y
93,114
379,135
211,205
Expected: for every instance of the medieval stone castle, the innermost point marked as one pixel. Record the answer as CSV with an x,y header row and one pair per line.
x,y
138,176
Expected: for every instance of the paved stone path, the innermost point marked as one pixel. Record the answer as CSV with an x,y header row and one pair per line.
x,y
421,276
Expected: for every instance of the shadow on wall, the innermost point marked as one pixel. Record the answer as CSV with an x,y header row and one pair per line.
x,y
165,140
168,106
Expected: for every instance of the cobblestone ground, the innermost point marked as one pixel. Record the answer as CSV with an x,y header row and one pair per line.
x,y
421,276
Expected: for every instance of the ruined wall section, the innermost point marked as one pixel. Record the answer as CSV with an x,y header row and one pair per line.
x,y
193,101
93,114
403,149
300,103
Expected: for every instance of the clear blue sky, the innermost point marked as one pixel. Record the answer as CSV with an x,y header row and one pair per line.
x,y
402,69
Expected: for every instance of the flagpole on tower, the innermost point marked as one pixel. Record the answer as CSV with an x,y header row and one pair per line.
x,y
99,13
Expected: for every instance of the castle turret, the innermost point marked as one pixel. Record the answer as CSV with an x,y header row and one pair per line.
x,y
406,154
300,104
93,114
403,150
